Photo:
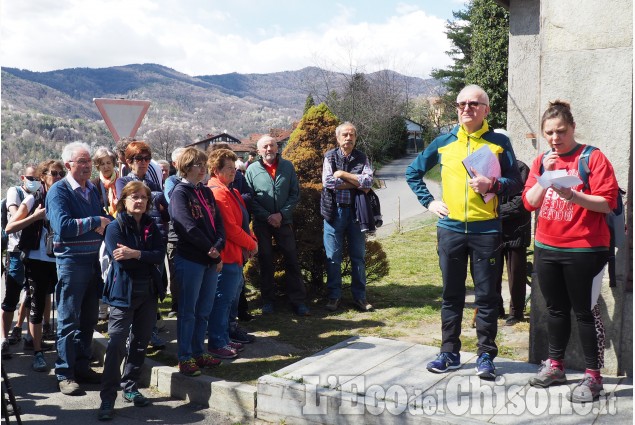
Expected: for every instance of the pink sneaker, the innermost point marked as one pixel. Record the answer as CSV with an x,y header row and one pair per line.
x,y
225,352
206,361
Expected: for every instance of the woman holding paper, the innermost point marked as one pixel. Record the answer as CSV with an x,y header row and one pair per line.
x,y
571,248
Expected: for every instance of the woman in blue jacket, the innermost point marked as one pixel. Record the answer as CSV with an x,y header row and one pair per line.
x,y
132,288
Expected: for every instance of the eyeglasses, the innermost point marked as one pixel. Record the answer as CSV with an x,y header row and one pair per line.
x,y
81,161
140,158
136,198
30,178
472,104
56,173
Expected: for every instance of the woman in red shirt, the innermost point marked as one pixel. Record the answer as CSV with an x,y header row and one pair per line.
x,y
571,248
241,244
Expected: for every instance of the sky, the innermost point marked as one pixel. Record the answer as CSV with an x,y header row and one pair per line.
x,y
207,37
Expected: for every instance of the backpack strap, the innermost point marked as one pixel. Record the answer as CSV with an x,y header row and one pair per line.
x,y
583,165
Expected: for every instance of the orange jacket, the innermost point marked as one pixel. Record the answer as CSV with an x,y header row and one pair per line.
x,y
237,239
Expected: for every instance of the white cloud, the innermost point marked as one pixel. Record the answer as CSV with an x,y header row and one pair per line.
x,y
198,39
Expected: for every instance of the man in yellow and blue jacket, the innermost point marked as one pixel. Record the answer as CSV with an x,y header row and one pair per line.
x,y
468,226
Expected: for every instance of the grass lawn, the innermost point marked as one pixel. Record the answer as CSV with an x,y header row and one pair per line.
x,y
407,303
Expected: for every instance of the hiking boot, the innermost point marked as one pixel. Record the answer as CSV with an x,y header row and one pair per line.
x,y
106,411
237,334
189,368
48,333
39,364
6,351
333,304
69,387
206,361
587,390
548,375
135,397
156,342
444,362
225,352
363,305
28,345
15,336
485,367
268,309
88,377
236,346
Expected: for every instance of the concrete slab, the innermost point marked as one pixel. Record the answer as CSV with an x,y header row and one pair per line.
x,y
377,381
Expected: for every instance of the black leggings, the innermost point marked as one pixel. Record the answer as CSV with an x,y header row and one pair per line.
x,y
41,278
566,281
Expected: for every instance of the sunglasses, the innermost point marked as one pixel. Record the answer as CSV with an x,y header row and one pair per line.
x,y
473,104
56,173
140,158
31,178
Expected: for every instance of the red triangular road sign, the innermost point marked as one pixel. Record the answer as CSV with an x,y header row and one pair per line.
x,y
123,117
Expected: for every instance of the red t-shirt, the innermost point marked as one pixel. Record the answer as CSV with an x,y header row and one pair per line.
x,y
271,169
567,225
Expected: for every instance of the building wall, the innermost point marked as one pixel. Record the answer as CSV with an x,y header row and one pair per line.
x,y
580,51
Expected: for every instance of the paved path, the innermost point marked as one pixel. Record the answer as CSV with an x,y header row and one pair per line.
x,y
398,203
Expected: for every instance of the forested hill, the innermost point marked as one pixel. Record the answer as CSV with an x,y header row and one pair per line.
x,y
239,103
41,111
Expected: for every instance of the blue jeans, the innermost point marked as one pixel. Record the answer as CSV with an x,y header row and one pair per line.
x,y
14,282
228,289
197,286
77,306
344,225
233,311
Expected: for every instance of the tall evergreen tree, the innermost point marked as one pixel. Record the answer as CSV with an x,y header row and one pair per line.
x,y
480,39
489,62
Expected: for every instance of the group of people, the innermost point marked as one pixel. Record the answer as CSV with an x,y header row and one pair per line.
x,y
202,217
106,240
572,238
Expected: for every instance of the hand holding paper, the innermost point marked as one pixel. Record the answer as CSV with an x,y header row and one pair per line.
x,y
483,163
558,178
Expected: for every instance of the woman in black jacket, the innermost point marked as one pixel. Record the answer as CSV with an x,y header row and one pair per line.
x,y
132,288
201,237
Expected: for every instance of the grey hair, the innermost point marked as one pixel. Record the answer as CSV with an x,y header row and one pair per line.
x,y
475,87
340,127
264,139
176,153
72,148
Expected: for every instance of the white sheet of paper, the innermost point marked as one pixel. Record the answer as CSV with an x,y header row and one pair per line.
x,y
558,178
